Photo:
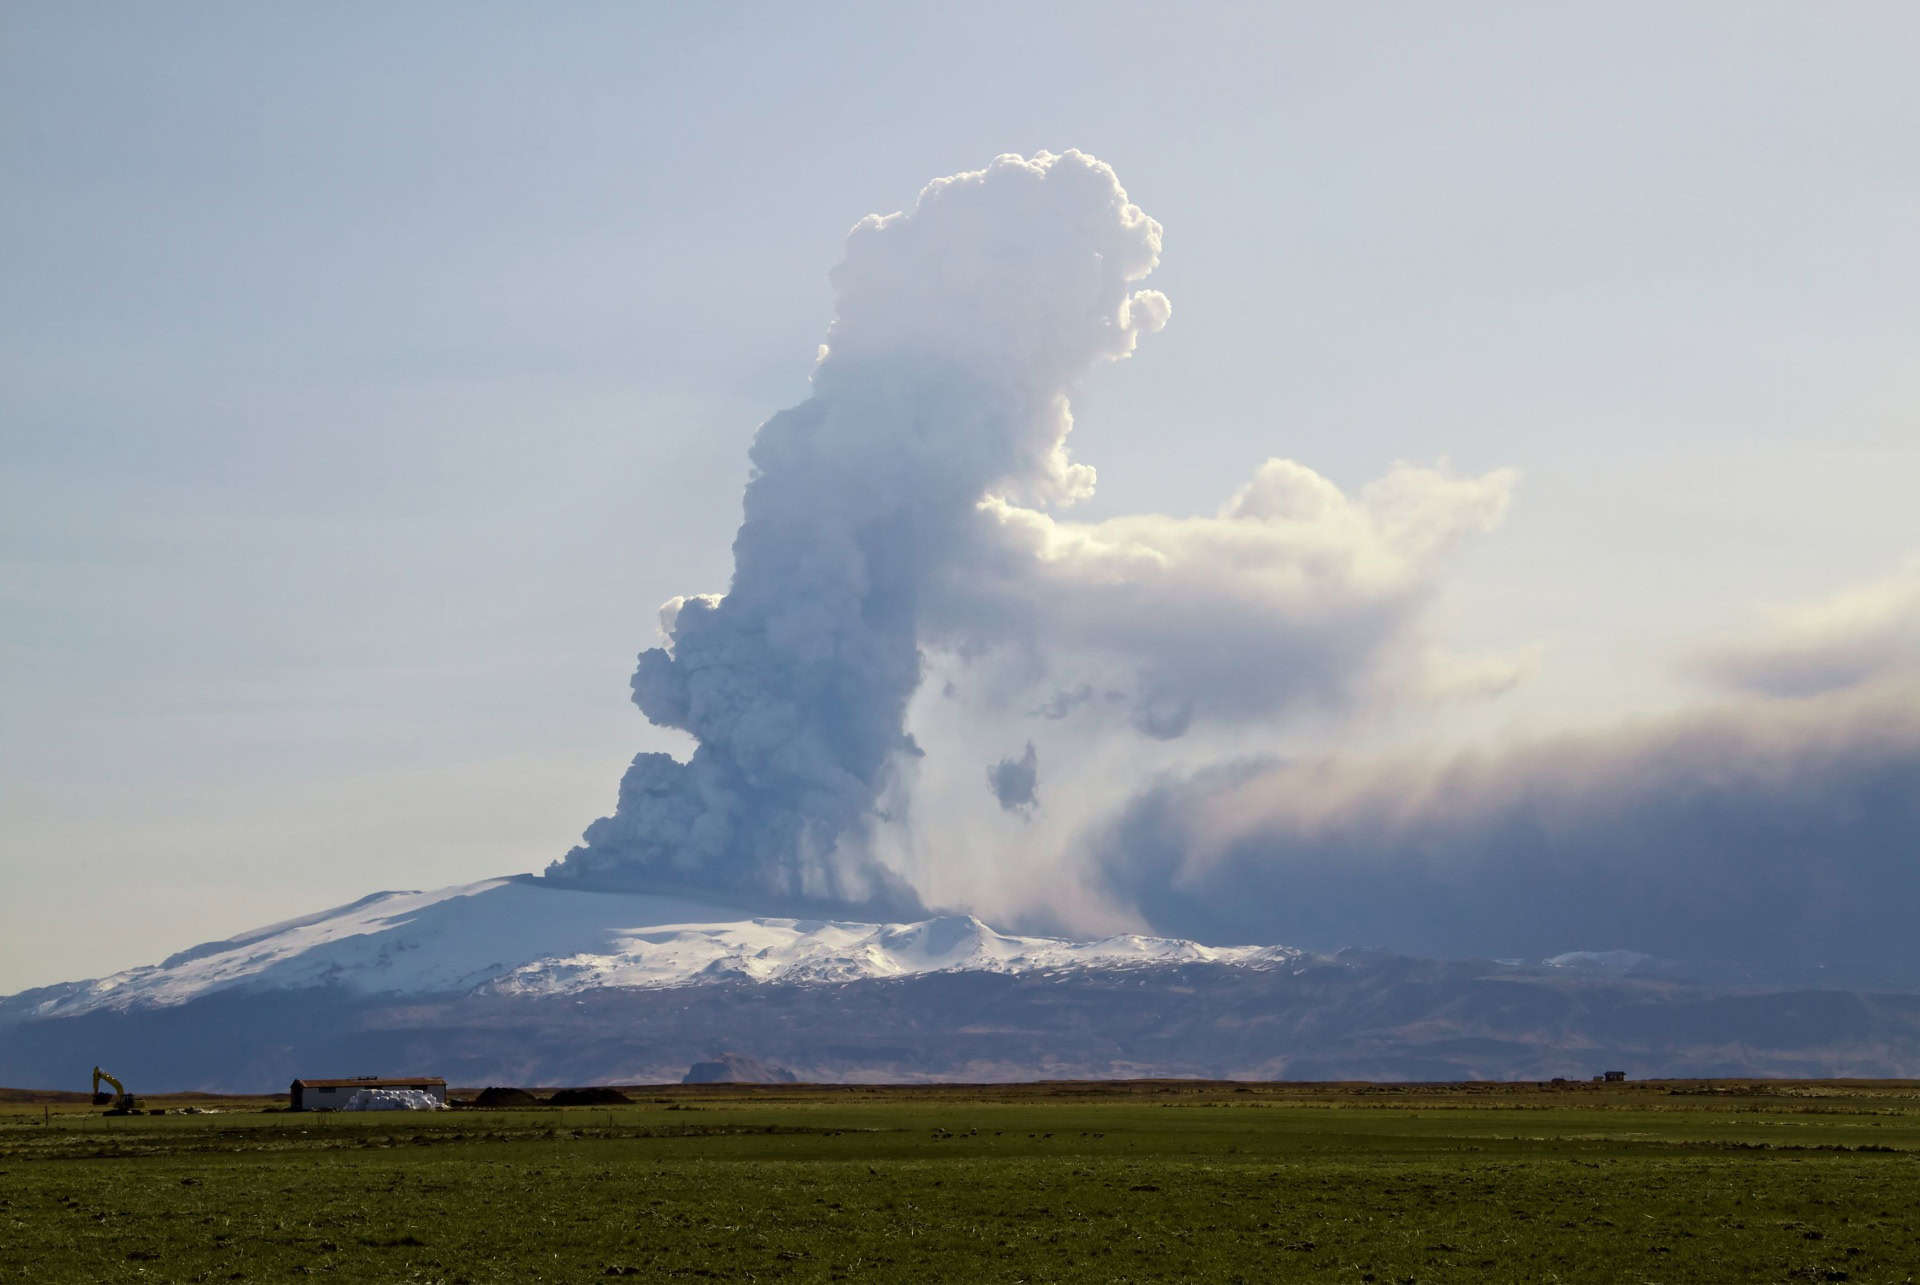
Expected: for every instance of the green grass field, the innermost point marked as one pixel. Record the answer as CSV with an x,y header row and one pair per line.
x,y
1647,1182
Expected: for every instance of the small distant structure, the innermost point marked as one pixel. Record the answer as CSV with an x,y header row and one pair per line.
x,y
332,1095
1614,1077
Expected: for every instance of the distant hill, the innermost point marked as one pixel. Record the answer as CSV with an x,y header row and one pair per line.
x,y
737,1068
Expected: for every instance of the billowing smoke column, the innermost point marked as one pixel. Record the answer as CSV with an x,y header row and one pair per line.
x,y
958,328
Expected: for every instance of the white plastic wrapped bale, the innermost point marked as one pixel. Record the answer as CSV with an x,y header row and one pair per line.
x,y
394,1100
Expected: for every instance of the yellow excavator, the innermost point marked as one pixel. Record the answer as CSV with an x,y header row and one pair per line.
x,y
123,1102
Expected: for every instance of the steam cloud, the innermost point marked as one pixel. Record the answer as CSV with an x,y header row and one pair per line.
x,y
1293,592
958,329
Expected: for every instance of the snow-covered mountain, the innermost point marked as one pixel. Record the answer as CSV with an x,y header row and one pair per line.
x,y
520,936
521,981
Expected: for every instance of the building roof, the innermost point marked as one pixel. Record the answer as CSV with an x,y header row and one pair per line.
x,y
374,1082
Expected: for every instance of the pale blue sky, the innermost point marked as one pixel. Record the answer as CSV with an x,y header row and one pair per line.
x,y
371,373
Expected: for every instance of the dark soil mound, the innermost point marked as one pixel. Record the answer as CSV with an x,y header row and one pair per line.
x,y
601,1097
499,1097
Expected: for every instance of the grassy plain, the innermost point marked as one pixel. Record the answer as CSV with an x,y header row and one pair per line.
x,y
1710,1181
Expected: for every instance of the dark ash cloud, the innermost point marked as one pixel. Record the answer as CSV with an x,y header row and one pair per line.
x,y
1786,838
1014,782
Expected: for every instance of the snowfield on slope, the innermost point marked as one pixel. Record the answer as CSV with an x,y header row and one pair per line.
x,y
523,936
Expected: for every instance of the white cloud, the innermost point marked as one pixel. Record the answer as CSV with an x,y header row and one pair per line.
x,y
1293,592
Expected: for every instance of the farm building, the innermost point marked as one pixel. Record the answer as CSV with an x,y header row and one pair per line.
x,y
331,1095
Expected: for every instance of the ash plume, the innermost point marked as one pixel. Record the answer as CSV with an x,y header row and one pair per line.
x,y
1779,835
958,328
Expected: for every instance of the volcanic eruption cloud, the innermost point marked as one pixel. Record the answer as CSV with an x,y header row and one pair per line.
x,y
958,328
903,520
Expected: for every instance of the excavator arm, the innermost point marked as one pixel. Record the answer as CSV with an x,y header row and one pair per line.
x,y
121,1099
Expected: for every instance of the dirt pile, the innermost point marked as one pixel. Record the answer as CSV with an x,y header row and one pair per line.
x,y
595,1097
495,1096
